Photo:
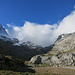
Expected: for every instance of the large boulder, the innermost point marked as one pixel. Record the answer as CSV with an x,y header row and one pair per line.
x,y
66,59
36,60
46,59
55,60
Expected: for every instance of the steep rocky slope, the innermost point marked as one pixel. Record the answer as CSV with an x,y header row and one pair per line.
x,y
62,52
2,30
11,63
65,42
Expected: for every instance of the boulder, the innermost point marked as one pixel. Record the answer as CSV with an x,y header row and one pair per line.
x,y
55,60
45,59
36,59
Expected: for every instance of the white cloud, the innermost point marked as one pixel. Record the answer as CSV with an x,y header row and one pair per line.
x,y
67,25
8,25
43,35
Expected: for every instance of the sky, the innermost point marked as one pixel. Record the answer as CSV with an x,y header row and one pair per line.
x,y
38,21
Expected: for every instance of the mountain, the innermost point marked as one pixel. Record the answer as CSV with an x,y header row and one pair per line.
x,y
2,30
23,52
61,53
10,52
4,35
65,42
11,46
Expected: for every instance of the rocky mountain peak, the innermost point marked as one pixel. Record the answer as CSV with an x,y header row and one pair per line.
x,y
60,36
65,35
4,35
2,30
65,42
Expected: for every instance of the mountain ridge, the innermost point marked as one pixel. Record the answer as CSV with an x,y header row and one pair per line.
x,y
11,46
61,53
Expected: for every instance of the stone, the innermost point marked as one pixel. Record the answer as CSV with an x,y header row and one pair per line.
x,y
36,59
54,59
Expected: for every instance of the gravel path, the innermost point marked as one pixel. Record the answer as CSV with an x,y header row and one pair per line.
x,y
70,67
56,70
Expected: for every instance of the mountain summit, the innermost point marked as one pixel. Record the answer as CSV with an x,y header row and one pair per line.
x,y
5,37
2,30
65,42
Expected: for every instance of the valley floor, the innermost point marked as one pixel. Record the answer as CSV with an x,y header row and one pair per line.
x,y
56,70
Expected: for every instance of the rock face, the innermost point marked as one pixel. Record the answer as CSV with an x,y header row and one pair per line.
x,y
2,30
65,42
60,60
4,35
36,59
62,53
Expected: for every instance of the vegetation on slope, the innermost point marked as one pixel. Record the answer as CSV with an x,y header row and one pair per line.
x,y
13,64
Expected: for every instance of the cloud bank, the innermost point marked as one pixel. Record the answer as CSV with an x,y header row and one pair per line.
x,y
45,34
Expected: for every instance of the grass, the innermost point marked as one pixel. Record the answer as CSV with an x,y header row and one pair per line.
x,y
13,58
70,51
54,52
3,72
48,54
24,73
42,71
37,65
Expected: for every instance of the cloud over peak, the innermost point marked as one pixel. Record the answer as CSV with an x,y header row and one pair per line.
x,y
45,34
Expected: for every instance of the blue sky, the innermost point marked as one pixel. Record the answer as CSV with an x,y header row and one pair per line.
x,y
38,21
37,11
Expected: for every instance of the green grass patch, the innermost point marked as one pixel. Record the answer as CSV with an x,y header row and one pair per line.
x,y
3,72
